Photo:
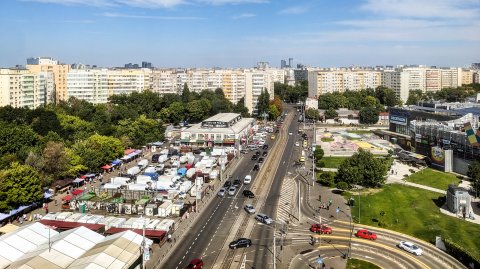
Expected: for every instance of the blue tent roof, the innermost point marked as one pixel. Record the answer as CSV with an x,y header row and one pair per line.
x,y
117,161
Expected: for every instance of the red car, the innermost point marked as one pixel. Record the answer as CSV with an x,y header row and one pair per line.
x,y
195,264
321,229
366,234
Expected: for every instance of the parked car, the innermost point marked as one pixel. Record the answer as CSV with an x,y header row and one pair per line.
x,y
232,190
366,234
263,218
249,208
240,243
260,160
244,151
195,264
254,157
256,167
410,247
227,184
221,192
237,182
297,144
320,229
257,153
265,146
247,179
265,153
248,194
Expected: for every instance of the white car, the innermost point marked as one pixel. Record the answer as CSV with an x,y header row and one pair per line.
x,y
249,208
297,144
232,190
221,192
410,247
290,133
264,218
247,179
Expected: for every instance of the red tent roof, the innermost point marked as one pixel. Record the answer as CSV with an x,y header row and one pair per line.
x,y
106,166
128,151
67,198
66,225
77,192
155,234
84,177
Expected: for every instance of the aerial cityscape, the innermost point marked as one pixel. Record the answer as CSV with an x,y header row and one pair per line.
x,y
239,134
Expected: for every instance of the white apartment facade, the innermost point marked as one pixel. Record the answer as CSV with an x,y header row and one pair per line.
x,y
88,84
257,81
21,88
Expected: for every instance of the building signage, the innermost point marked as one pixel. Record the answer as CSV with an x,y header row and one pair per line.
x,y
446,142
398,119
214,124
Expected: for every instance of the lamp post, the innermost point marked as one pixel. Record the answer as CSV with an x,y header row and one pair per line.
x,y
313,149
299,202
144,247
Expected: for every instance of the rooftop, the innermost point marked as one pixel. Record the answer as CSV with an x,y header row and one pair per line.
x,y
223,117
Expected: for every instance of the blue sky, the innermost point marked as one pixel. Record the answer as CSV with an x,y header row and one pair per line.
x,y
239,33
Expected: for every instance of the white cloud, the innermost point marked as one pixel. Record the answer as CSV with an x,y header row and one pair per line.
x,y
294,10
151,3
132,16
224,2
96,3
459,9
144,3
243,16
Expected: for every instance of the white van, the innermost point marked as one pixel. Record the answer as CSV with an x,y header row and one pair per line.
x,y
247,179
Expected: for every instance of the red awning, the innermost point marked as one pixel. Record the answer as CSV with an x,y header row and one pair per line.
x,y
77,192
84,177
67,198
152,234
66,225
128,151
106,166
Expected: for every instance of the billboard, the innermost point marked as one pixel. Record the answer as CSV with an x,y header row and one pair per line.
x,y
398,119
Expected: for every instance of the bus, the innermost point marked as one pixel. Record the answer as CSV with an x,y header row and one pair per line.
x,y
303,156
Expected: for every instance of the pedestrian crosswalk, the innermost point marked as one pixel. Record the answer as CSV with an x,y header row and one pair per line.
x,y
288,196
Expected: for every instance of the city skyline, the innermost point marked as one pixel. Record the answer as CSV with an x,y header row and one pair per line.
x,y
239,33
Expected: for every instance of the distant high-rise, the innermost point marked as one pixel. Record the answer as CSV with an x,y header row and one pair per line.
x,y
290,62
475,65
283,64
146,65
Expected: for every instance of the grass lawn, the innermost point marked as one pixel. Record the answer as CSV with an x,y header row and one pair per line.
x,y
360,264
359,131
434,178
333,162
327,139
413,211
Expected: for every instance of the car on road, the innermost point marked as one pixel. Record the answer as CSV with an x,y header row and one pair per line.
x,y
248,194
276,131
254,157
264,218
265,153
410,247
221,192
227,184
260,160
232,190
272,137
256,167
265,146
244,151
195,264
290,133
366,234
237,182
240,243
249,208
297,144
320,229
247,179
257,153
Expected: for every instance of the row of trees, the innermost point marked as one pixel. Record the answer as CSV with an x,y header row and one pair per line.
x,y
63,140
292,94
272,108
458,94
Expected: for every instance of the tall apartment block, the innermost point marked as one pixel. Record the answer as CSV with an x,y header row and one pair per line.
x,y
58,71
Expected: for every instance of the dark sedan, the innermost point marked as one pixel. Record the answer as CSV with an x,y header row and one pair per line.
x,y
248,193
240,243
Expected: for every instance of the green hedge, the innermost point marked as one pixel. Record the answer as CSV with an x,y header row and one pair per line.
x,y
461,254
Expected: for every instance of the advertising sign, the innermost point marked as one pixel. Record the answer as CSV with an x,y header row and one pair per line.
x,y
397,119
437,155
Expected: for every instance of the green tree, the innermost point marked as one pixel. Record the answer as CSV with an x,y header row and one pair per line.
x,y
363,169
327,179
263,103
414,97
74,128
176,112
197,110
273,112
330,113
240,108
185,93
19,185
98,150
140,131
74,165
318,153
44,121
312,114
17,139
55,159
278,103
474,174
368,115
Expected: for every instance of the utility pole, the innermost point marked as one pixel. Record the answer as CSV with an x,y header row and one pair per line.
x,y
274,248
299,202
313,149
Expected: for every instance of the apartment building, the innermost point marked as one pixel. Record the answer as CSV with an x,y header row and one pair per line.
x,y
22,88
126,81
164,81
88,84
257,81
340,80
59,71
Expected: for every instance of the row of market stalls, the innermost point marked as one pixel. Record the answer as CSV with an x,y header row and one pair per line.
x,y
41,246
130,155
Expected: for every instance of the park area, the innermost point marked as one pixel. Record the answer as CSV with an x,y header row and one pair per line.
x,y
360,264
415,212
333,162
433,178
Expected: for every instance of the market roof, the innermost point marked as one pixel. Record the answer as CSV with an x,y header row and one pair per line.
x,y
236,128
65,248
16,244
8,228
223,117
115,251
